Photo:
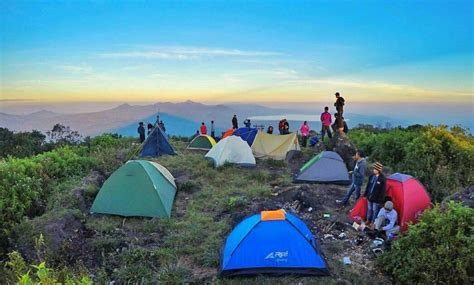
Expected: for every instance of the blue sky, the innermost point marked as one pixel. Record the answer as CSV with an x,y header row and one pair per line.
x,y
260,51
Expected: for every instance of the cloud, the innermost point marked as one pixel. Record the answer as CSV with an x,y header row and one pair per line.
x,y
75,68
184,53
158,75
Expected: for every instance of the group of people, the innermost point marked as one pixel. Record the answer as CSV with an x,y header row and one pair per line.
x,y
339,125
203,130
141,128
381,216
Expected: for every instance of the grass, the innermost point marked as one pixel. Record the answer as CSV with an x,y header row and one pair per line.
x,y
187,246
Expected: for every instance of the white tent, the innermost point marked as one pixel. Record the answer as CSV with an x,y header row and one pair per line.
x,y
232,149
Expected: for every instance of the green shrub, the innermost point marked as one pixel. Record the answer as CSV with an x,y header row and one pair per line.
x,y
438,250
174,273
41,274
441,158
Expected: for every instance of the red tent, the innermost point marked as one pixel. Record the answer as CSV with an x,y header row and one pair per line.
x,y
409,198
359,212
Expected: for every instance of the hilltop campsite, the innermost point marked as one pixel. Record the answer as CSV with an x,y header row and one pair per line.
x,y
236,142
48,199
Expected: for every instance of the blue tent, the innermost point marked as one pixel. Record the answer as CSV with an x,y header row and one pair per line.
x,y
156,144
313,141
247,134
273,242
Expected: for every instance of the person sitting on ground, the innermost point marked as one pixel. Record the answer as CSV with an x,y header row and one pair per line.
x,y
304,133
357,177
375,192
213,130
326,121
235,123
195,135
345,129
270,130
335,126
141,132
203,129
286,127
247,123
150,128
281,124
387,221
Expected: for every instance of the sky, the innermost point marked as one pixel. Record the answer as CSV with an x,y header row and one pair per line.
x,y
270,52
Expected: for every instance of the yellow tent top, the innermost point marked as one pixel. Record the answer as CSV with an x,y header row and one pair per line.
x,y
274,146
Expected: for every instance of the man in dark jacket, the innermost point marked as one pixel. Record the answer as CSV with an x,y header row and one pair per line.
x,y
340,111
375,192
357,178
141,132
339,104
235,124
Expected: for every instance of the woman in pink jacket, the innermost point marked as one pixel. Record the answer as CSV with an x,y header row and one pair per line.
x,y
305,132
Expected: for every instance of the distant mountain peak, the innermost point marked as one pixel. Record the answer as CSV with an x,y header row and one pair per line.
x,y
123,106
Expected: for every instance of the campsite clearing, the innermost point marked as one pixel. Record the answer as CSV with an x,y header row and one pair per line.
x,y
209,203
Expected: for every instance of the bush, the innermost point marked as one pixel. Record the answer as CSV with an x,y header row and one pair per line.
x,y
440,158
439,249
42,274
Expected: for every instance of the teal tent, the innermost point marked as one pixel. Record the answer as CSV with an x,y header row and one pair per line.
x,y
138,188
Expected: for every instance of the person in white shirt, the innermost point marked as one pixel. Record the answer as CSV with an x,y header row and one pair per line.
x,y
387,220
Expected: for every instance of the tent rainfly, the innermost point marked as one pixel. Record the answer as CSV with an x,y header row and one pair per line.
x,y
274,146
138,188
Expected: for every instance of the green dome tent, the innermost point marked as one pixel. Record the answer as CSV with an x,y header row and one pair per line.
x,y
138,188
202,142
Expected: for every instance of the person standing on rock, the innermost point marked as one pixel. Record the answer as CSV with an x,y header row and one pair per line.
x,y
141,132
375,192
358,175
304,133
339,104
326,121
235,123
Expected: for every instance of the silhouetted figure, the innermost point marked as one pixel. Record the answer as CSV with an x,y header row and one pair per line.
x,y
162,126
235,123
340,111
213,130
150,128
286,127
141,132
247,123
270,130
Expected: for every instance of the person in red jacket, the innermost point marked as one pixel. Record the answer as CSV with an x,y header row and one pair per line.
x,y
326,121
203,129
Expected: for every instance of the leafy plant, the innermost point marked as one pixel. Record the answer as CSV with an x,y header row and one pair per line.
x,y
439,248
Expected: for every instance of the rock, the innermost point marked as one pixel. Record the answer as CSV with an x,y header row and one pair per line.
x,y
345,148
466,197
63,236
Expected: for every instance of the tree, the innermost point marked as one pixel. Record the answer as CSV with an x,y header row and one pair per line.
x,y
63,135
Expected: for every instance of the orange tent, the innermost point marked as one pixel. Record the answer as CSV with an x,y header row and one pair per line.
x,y
228,133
